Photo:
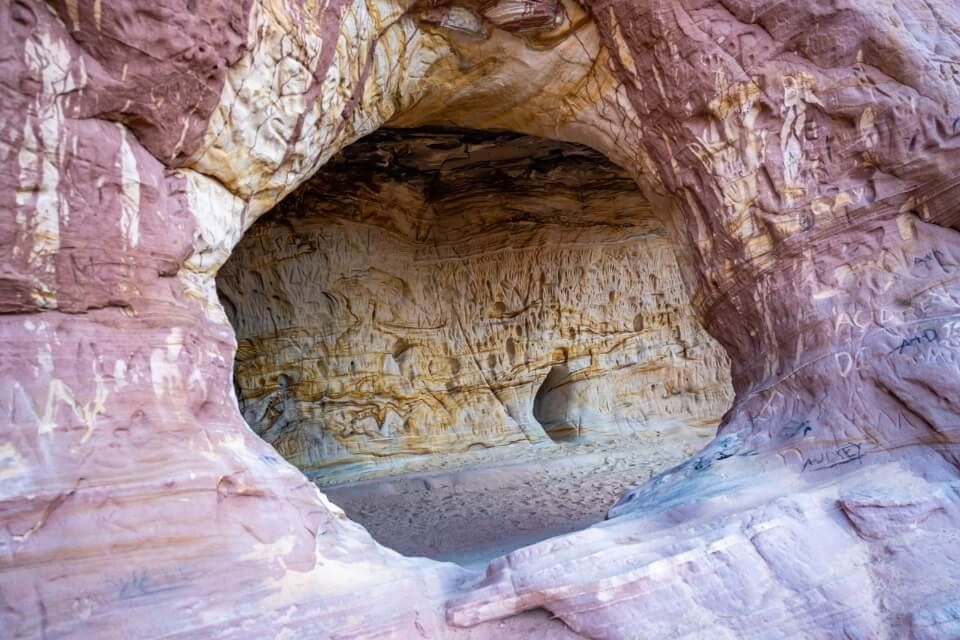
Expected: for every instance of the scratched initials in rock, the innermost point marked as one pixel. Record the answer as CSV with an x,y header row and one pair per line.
x,y
928,336
794,428
852,452
927,259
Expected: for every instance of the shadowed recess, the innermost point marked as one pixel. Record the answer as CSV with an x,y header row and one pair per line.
x,y
443,301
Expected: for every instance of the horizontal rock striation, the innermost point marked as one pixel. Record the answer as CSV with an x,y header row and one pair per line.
x,y
434,291
805,154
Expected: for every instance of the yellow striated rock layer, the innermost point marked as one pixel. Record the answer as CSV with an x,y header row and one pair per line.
x,y
437,290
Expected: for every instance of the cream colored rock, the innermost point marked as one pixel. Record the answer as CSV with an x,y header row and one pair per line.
x,y
431,292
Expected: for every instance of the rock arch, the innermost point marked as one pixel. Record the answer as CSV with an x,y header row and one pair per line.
x,y
807,154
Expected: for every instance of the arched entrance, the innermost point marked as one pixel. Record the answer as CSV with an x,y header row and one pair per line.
x,y
401,315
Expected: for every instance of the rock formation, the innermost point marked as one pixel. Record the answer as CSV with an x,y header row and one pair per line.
x,y
804,153
440,290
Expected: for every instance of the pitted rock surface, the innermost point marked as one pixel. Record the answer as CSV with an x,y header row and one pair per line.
x,y
804,154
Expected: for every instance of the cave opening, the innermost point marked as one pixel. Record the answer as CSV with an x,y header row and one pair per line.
x,y
470,340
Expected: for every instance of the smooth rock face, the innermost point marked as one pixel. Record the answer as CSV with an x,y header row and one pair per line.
x,y
433,291
805,153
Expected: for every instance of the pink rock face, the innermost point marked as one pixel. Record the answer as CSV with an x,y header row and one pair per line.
x,y
805,152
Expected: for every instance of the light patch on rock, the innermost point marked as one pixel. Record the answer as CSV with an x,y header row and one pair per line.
x,y
164,369
219,217
798,92
40,157
12,463
129,192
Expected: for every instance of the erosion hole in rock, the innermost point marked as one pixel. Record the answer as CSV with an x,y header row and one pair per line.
x,y
470,340
553,404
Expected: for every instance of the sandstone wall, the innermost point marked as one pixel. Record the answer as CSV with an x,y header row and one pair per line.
x,y
415,295
808,153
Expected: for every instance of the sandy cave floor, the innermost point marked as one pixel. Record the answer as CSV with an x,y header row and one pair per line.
x,y
470,508
484,504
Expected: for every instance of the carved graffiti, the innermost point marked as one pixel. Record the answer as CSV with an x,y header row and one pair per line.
x,y
794,428
936,254
727,448
926,337
834,457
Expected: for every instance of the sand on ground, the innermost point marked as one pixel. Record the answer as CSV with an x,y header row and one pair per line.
x,y
470,508
486,504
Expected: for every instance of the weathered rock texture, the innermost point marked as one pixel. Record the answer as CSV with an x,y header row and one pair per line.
x,y
805,152
438,290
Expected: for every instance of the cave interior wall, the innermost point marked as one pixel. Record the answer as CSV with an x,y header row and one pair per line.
x,y
423,293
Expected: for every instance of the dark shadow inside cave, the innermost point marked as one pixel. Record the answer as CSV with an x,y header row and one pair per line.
x,y
470,340
552,406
